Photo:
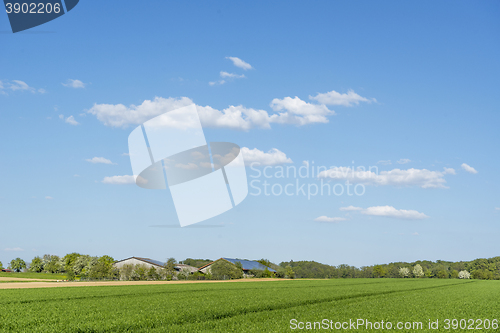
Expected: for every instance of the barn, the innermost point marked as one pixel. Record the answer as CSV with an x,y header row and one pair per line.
x,y
247,265
151,263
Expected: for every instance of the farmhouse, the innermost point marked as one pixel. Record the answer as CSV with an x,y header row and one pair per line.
x,y
247,265
151,263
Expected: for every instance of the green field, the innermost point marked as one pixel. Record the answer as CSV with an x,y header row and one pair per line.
x,y
246,306
34,275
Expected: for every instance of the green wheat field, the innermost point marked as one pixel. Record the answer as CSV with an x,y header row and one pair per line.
x,y
268,306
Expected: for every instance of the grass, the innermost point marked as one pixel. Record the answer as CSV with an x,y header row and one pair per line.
x,y
245,307
33,275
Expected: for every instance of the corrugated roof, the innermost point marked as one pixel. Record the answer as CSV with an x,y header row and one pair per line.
x,y
249,264
151,261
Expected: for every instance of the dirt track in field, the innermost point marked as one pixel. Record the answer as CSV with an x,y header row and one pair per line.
x,y
44,284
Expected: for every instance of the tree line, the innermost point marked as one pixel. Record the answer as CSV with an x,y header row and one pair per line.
x,y
485,269
86,267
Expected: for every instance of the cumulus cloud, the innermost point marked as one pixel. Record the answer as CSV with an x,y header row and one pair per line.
x,y
389,211
404,161
329,219
411,177
119,180
292,111
97,160
13,249
231,75
48,198
335,98
240,63
468,168
298,112
385,162
74,84
272,157
350,209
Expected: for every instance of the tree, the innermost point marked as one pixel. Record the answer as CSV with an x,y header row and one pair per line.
x,y
379,271
80,263
1,265
17,264
442,274
224,270
464,275
170,268
69,261
404,272
52,264
126,272
454,274
418,272
36,265
289,274
152,274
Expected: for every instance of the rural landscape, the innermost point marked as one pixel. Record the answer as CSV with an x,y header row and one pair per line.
x,y
249,166
426,296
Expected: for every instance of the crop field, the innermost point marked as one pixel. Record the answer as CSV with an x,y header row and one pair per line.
x,y
33,276
251,307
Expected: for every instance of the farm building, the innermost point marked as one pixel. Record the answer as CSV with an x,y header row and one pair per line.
x,y
151,263
247,265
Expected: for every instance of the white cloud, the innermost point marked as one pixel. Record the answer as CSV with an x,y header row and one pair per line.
x,y
20,85
497,208
449,171
76,176
240,63
119,180
415,234
389,211
287,111
214,83
329,219
231,75
298,112
74,84
13,249
97,160
71,120
468,168
272,157
335,98
404,161
48,198
386,162
411,177
350,209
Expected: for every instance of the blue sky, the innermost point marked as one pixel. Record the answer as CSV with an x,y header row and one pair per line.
x,y
357,84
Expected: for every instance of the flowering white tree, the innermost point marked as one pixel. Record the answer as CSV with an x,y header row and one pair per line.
x,y
404,272
418,271
463,275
